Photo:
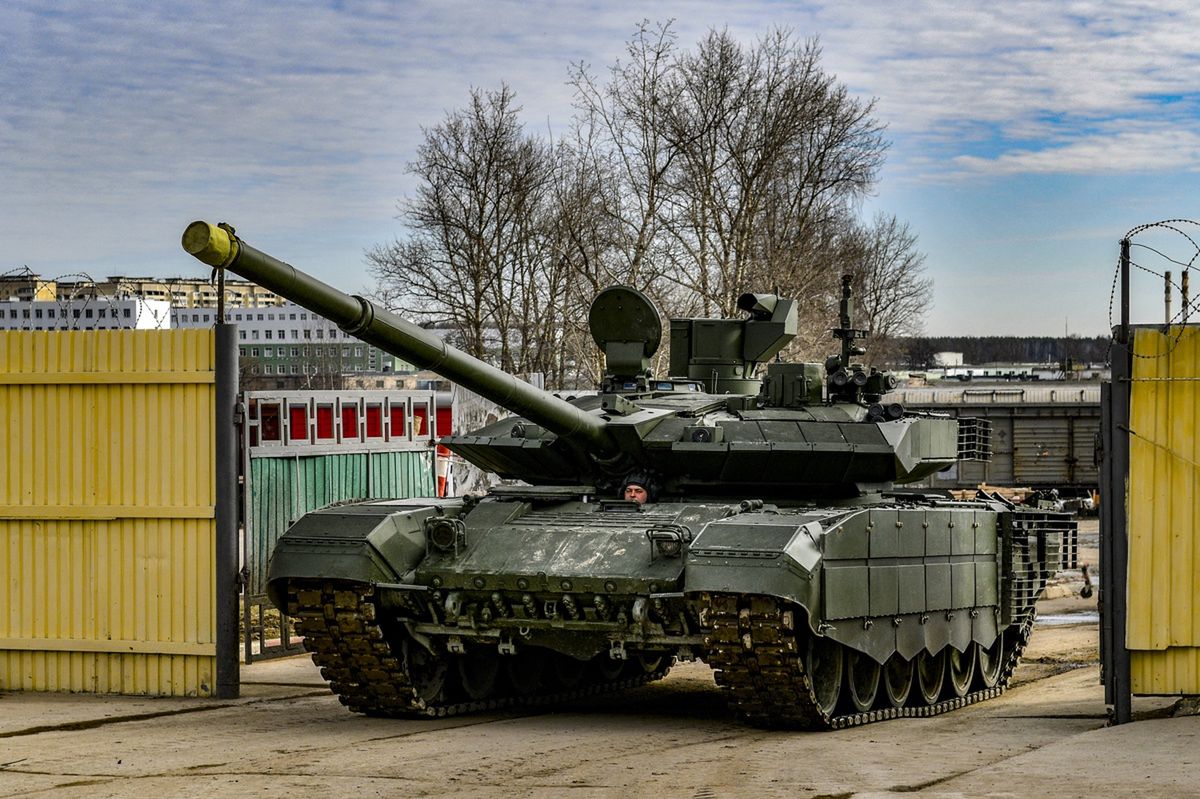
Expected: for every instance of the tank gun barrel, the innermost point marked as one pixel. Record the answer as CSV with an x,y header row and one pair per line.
x,y
218,246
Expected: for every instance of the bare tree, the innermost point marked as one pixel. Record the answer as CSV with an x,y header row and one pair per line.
x,y
476,253
772,149
583,237
692,175
735,166
892,290
625,128
321,365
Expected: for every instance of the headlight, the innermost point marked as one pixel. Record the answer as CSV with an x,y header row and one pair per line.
x,y
668,540
445,535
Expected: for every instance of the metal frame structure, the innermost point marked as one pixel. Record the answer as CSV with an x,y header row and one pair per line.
x,y
318,429
1041,434
1149,520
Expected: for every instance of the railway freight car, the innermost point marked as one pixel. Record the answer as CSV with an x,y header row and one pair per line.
x,y
1042,436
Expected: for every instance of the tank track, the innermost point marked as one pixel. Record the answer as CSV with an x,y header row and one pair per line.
x,y
341,627
759,661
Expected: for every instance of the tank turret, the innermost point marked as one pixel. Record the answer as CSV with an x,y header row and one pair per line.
x,y
713,427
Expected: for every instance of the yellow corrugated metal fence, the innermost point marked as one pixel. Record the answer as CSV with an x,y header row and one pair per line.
x,y
1163,630
107,494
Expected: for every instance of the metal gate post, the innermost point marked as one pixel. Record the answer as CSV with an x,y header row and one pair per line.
x,y
226,512
248,547
1114,533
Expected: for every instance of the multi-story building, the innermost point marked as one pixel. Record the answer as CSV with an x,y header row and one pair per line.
x,y
100,313
26,286
281,344
180,292
289,340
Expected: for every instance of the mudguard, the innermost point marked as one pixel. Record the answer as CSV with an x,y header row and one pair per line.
x,y
372,542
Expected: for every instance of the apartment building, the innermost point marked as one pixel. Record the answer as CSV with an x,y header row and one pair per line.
x,y
290,340
101,313
179,292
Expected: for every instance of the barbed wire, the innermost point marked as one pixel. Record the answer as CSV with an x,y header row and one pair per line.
x,y
1164,256
1187,304
1169,224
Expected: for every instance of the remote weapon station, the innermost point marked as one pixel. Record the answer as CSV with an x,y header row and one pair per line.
x,y
774,546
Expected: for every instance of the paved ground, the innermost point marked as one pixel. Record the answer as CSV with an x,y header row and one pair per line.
x,y
288,736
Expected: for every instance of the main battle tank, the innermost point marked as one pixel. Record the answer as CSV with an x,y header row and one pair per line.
x,y
775,548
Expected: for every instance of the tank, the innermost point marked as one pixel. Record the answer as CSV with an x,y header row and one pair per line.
x,y
741,511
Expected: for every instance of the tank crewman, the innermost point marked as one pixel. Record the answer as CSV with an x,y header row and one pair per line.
x,y
636,488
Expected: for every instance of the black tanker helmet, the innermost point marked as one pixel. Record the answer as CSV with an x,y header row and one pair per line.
x,y
641,479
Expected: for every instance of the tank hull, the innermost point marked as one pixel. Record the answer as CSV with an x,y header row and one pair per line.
x,y
432,607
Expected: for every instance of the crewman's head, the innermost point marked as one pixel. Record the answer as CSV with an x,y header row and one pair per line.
x,y
636,493
637,487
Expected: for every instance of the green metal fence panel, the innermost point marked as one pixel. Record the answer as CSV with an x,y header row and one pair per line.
x,y
282,489
272,505
401,474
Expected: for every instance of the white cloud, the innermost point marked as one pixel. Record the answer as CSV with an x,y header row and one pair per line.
x,y
996,75
1122,151
123,121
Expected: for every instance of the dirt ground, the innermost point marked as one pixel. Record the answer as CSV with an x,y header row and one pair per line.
x,y
288,736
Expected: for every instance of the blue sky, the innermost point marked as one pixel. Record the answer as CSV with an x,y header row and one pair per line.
x,y
1027,137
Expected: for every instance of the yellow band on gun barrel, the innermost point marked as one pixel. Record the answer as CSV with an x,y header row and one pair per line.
x,y
209,243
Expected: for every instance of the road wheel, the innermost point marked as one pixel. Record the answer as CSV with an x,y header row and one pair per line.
x,y
425,670
930,669
897,679
823,663
524,671
608,668
991,661
477,673
567,671
862,679
961,670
